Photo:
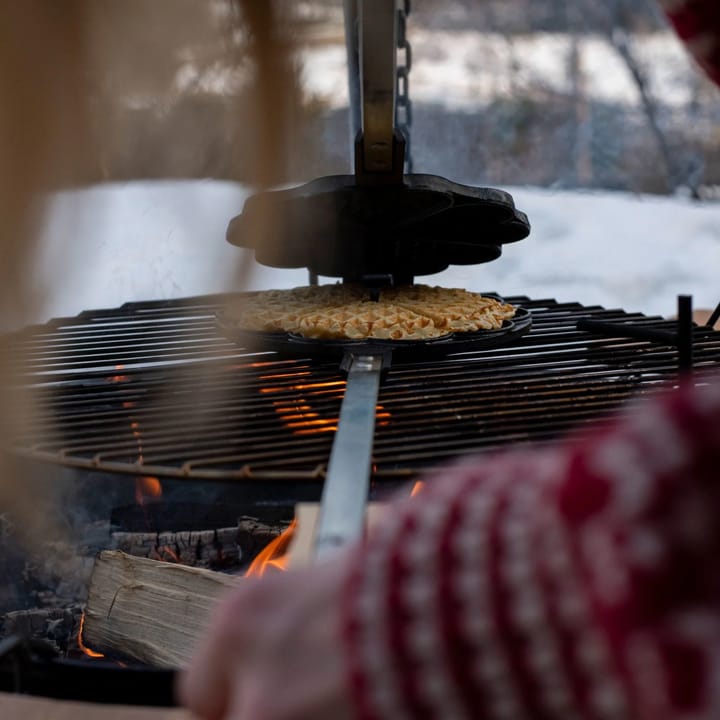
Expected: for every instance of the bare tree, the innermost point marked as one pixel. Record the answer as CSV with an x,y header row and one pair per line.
x,y
613,17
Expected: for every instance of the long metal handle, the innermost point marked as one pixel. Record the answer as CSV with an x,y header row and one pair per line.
x,y
344,497
378,63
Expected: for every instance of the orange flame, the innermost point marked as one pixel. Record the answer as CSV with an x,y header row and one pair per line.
x,y
302,421
119,378
135,427
284,375
166,554
382,416
311,386
82,645
274,555
417,488
146,487
301,418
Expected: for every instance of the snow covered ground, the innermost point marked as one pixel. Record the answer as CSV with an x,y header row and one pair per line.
x,y
113,243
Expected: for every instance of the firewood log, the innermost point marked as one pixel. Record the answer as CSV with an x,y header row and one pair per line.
x,y
148,610
155,612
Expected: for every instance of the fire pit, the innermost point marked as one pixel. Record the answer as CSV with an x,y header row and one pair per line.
x,y
151,411
156,390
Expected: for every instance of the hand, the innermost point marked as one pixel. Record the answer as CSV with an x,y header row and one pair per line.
x,y
273,650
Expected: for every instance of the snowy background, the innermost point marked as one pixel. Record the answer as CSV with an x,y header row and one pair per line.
x,y
484,94
113,243
465,69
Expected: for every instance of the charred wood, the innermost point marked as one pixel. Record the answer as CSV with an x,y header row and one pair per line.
x,y
57,626
224,548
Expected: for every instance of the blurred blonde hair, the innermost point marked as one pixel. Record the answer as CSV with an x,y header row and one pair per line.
x,y
43,118
52,55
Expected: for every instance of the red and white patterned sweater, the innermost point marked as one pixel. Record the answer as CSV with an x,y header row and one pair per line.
x,y
697,22
581,581
578,582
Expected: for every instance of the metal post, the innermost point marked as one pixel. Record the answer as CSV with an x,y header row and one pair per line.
x,y
685,333
350,9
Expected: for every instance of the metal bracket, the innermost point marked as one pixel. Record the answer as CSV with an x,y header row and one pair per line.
x,y
681,338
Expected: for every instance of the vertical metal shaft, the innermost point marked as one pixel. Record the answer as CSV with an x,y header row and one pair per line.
x,y
685,333
352,47
378,71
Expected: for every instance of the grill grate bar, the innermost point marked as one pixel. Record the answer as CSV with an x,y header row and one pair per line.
x,y
185,402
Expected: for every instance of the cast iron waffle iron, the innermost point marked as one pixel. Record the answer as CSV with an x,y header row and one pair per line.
x,y
377,227
339,227
379,221
346,485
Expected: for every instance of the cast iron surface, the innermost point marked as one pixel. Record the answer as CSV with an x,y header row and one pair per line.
x,y
338,228
157,389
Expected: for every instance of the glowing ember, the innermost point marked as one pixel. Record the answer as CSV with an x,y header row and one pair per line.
x,y
311,387
300,417
166,554
417,487
135,427
274,555
81,644
285,375
119,378
382,416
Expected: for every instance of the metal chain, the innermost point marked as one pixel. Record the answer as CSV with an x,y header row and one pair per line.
x,y
403,105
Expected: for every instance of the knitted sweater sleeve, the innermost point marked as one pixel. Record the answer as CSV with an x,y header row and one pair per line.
x,y
697,22
579,581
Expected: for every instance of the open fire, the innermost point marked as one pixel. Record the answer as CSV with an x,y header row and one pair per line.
x,y
299,413
84,648
149,474
275,555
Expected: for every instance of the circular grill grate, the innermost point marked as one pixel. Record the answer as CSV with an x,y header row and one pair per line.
x,y
156,389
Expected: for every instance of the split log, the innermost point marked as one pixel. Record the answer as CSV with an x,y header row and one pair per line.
x,y
150,611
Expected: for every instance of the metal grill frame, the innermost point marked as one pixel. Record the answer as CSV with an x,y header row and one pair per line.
x,y
554,379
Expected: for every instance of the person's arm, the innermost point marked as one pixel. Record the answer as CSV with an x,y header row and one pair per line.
x,y
574,582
